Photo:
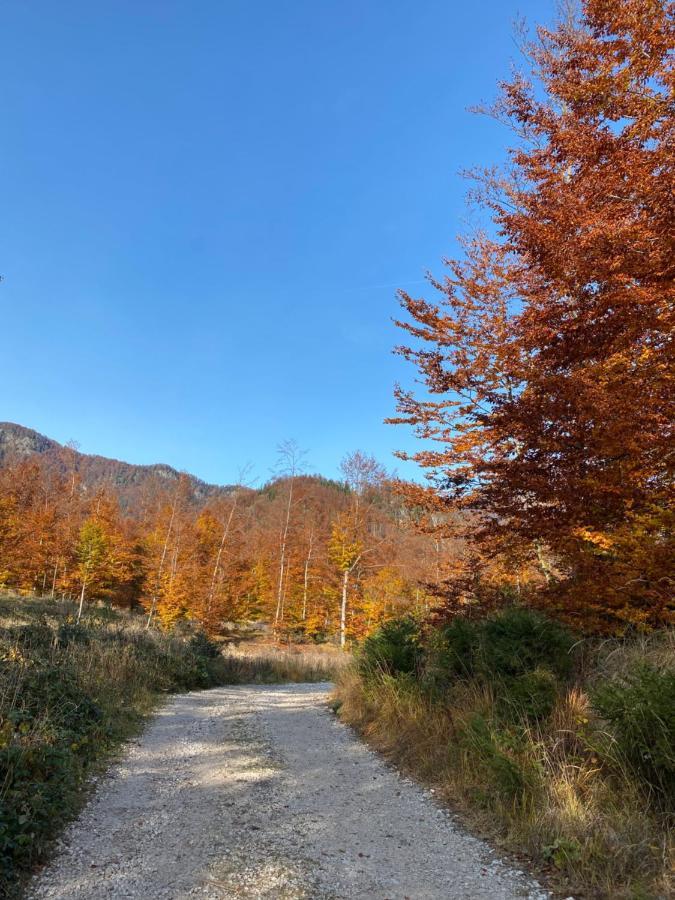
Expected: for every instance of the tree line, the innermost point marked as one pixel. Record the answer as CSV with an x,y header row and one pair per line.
x,y
314,558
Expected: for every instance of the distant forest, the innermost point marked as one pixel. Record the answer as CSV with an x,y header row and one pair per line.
x,y
315,558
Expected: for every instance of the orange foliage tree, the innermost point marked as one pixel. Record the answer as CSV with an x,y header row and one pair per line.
x,y
547,353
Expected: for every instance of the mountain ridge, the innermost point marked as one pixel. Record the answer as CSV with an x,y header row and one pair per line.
x,y
20,442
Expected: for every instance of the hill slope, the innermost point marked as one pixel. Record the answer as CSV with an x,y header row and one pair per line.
x,y
17,441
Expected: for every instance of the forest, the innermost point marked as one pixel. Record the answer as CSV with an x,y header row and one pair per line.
x,y
313,558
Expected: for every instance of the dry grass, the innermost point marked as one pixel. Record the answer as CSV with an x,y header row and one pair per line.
x,y
541,788
268,663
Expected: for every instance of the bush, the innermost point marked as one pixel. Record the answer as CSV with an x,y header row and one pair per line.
x,y
519,640
394,649
639,708
72,633
53,701
35,636
506,650
38,781
451,652
530,696
202,645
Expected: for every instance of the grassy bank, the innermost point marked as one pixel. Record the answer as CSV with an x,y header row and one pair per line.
x,y
70,694
559,749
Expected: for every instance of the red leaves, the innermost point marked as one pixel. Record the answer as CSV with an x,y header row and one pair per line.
x,y
552,346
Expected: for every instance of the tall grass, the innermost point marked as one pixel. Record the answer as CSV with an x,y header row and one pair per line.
x,y
559,786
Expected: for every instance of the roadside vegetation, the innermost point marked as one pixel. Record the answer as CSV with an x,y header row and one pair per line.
x,y
71,692
560,747
267,663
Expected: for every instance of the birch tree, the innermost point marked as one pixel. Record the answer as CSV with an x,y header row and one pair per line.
x,y
291,462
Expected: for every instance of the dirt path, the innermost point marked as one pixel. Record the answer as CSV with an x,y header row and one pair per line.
x,y
259,792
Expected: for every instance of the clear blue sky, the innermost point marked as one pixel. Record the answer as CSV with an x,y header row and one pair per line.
x,y
206,208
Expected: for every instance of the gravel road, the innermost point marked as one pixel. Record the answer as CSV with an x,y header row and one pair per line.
x,y
259,792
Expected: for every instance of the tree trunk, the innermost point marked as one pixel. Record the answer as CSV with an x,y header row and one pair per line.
x,y
56,569
79,612
544,564
343,610
216,567
282,559
304,589
153,605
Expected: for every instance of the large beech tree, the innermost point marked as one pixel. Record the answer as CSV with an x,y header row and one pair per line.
x,y
547,351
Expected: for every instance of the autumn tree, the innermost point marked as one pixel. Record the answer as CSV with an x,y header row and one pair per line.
x,y
290,463
354,532
547,353
106,557
93,555
163,544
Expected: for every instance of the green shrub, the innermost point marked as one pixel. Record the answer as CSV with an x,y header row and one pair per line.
x,y
450,652
519,640
530,696
52,700
38,783
639,708
394,649
202,645
35,636
72,633
515,643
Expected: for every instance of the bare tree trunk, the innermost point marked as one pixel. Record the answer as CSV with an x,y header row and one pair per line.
x,y
56,569
174,564
283,595
343,609
282,559
153,605
79,612
306,581
219,555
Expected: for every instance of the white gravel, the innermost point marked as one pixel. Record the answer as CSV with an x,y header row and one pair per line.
x,y
259,792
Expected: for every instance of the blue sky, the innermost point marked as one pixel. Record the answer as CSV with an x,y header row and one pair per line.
x,y
207,208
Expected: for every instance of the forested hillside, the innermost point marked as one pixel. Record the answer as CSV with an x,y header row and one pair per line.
x,y
312,557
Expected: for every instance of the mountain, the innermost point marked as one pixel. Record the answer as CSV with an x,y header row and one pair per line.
x,y
128,480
